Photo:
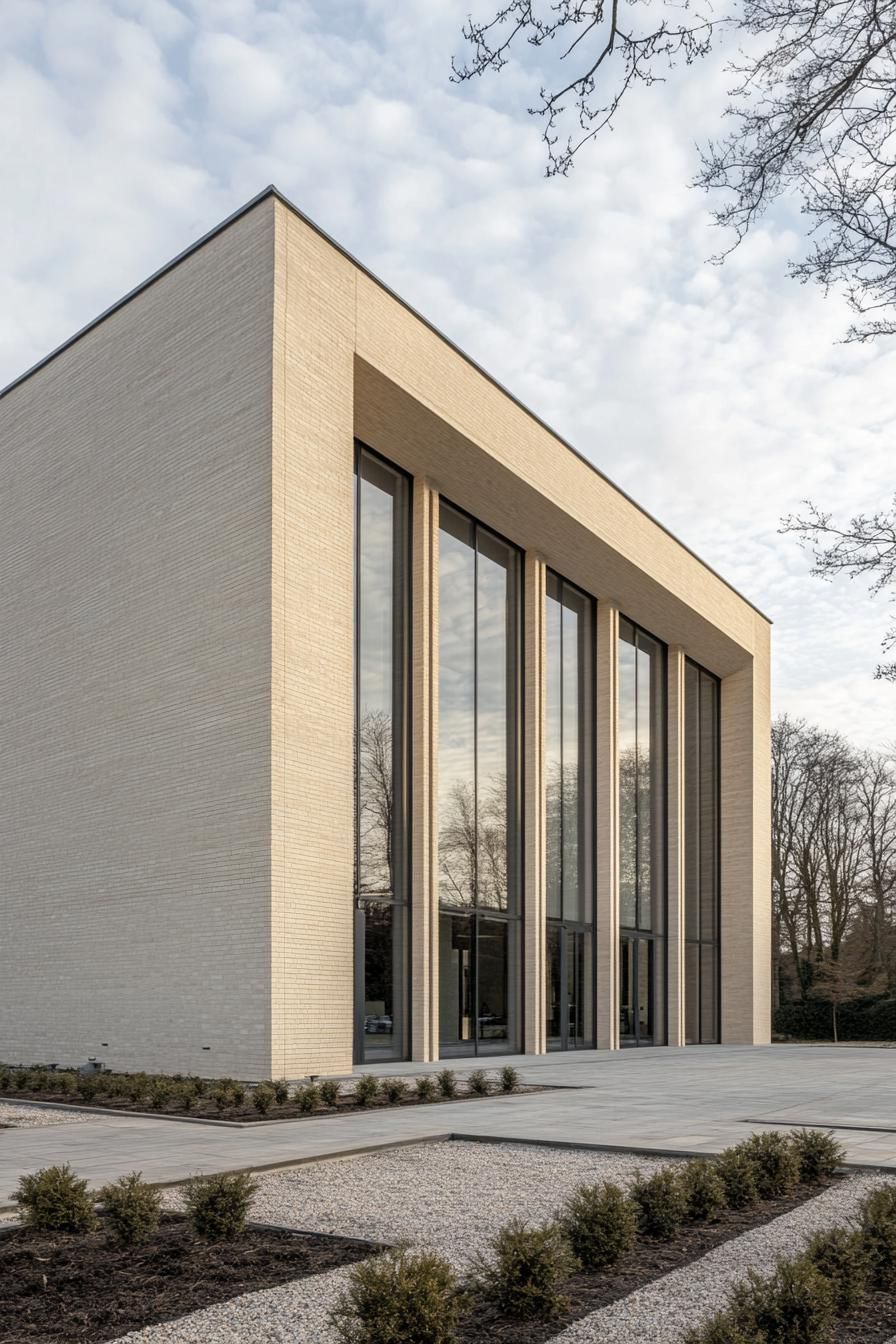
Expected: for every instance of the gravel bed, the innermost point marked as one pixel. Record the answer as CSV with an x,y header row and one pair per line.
x,y
664,1310
450,1197
22,1116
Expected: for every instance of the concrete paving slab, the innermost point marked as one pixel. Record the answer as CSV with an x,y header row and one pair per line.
x,y
662,1100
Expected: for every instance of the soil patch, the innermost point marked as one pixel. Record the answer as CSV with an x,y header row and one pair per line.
x,y
874,1323
57,1288
648,1260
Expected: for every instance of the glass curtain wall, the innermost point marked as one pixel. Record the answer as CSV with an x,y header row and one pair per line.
x,y
569,780
479,807
382,534
701,856
642,837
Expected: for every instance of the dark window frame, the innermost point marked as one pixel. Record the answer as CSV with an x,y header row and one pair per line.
x,y
626,930
714,944
516,754
402,712
590,728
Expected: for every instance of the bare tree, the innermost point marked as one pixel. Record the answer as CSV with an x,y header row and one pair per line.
x,y
865,547
813,113
376,804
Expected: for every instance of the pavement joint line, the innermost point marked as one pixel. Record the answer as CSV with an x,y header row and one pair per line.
x,y
824,1124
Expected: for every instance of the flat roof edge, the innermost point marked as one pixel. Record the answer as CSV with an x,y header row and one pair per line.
x,y
276,194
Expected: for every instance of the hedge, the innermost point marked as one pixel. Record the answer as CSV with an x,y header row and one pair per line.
x,y
872,1018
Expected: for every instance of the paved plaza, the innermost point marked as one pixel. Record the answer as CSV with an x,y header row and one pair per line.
x,y
697,1100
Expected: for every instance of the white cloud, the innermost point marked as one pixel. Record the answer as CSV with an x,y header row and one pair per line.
x,y
716,396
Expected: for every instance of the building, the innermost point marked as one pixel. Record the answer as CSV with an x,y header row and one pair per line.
x,y
260,511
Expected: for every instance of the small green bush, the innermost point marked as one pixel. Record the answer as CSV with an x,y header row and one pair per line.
x,y
281,1091
160,1093
329,1091
425,1087
367,1089
22,1080
704,1190
775,1162
5,1079
400,1297
877,1219
38,1080
55,1200
792,1305
599,1223
661,1203
818,1154
64,1084
308,1098
478,1083
223,1098
447,1081
525,1274
238,1094
138,1086
132,1209
183,1097
199,1086
396,1089
721,1329
841,1255
89,1086
737,1172
219,1205
510,1079
263,1098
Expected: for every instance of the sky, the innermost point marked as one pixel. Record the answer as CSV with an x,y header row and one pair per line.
x,y
719,397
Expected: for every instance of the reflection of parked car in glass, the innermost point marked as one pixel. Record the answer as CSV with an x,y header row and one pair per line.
x,y
378,1024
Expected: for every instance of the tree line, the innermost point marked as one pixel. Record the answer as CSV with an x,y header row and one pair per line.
x,y
833,868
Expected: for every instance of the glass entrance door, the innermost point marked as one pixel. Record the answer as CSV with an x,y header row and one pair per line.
x,y
570,1011
637,991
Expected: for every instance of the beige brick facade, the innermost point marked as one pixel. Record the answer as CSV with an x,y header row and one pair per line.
x,y
176,779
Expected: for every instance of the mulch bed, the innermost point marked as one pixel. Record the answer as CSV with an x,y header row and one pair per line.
x,y
61,1287
874,1323
289,1110
648,1260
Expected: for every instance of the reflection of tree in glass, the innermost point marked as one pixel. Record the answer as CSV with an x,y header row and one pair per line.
x,y
634,827
375,802
562,817
465,871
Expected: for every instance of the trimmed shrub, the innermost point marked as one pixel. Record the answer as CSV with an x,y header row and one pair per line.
x,y
281,1091
64,1084
721,1329
704,1190
737,1173
367,1089
819,1154
400,1297
160,1093
792,1305
237,1093
263,1098
5,1078
132,1209
841,1255
308,1098
329,1091
526,1271
661,1203
447,1080
775,1163
396,1089
510,1078
478,1083
89,1086
599,1223
223,1098
425,1087
138,1086
199,1086
877,1219
38,1080
55,1200
22,1080
183,1096
219,1205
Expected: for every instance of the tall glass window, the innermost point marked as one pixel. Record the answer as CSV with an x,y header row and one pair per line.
x,y
381,776
642,836
479,809
701,856
569,782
